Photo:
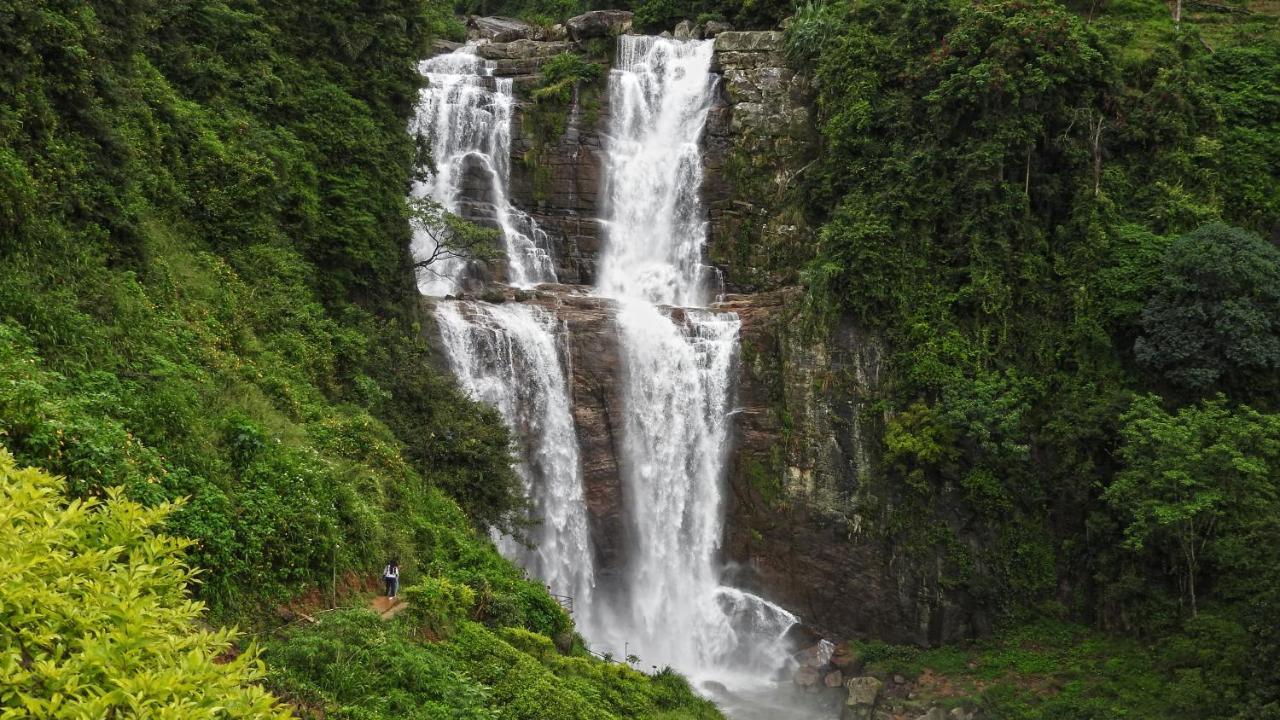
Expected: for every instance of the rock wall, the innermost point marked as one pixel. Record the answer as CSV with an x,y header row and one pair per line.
x,y
760,138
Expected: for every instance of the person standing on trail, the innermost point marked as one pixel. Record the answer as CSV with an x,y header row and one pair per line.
x,y
391,577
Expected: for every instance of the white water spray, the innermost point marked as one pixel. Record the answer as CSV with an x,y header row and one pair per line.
x,y
464,115
507,356
504,355
677,370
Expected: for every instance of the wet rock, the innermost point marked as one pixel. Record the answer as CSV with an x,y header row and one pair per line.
x,y
560,190
592,346
833,679
714,28
498,29
749,41
844,657
440,46
814,656
685,31
807,677
864,692
521,49
598,23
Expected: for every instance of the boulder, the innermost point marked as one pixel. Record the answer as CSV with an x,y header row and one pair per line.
x,y
935,713
807,677
499,29
714,28
598,23
685,30
814,656
864,692
844,657
833,679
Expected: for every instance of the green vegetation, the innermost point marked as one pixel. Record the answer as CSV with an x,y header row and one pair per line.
x,y
650,15
1053,215
94,616
207,295
362,667
1050,669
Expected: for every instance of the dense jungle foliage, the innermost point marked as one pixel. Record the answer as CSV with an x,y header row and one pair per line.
x,y
207,295
650,15
1062,221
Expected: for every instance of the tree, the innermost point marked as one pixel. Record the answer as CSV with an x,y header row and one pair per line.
x,y
1190,478
440,235
1214,322
95,620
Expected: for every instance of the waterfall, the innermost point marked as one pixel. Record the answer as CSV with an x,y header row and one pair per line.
x,y
507,356
678,366
464,116
660,92
678,361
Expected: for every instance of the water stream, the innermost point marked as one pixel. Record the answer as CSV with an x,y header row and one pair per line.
x,y
464,117
678,368
508,356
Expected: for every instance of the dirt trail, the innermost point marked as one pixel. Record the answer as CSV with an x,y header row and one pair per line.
x,y
386,607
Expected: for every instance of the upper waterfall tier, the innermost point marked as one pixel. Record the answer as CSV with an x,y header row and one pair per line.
x,y
464,117
660,92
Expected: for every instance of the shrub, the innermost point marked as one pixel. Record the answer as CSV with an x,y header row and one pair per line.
x,y
94,616
437,605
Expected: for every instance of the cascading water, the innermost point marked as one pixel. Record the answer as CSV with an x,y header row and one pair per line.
x,y
678,366
464,115
504,355
507,356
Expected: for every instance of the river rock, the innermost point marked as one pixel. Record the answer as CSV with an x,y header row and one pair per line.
x,y
814,656
833,679
521,49
685,30
598,23
844,657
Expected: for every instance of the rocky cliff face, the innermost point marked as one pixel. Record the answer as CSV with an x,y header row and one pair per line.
x,y
806,509
760,137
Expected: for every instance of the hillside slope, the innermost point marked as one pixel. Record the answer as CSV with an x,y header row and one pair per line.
x,y
207,295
